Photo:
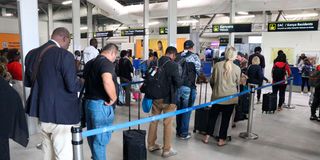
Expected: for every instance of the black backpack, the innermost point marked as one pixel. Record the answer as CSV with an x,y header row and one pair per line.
x,y
155,83
185,71
278,74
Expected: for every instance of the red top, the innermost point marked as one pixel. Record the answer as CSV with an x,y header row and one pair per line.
x,y
287,68
15,69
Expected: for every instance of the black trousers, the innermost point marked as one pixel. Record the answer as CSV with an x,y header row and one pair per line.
x,y
259,92
305,80
4,149
226,111
316,101
281,88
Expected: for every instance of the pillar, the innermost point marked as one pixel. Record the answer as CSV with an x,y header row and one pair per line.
x,y
232,15
89,22
172,23
76,24
29,39
50,21
146,27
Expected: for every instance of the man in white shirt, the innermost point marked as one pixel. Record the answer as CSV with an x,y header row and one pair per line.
x,y
91,51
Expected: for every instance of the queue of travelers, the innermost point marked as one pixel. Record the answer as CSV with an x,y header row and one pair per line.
x,y
51,73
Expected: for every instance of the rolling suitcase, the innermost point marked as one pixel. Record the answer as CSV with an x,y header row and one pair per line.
x,y
269,103
201,115
134,141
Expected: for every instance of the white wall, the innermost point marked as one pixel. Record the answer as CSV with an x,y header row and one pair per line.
x,y
300,41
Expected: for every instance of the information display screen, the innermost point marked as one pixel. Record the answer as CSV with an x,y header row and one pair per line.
x,y
133,32
293,26
180,30
104,34
216,28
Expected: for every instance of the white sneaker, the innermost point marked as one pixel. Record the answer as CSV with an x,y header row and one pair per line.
x,y
302,93
154,148
170,153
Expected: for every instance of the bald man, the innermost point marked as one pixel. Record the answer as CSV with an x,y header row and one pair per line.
x,y
51,74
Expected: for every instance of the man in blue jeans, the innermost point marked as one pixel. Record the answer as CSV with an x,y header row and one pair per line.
x,y
100,96
186,94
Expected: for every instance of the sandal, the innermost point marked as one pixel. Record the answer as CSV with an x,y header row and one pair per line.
x,y
221,143
206,140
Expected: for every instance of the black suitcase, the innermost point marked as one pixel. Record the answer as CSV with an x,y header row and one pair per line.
x,y
134,141
269,103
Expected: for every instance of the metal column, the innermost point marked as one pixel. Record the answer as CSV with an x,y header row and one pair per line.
x,y
146,27
249,135
50,21
89,22
289,105
29,39
77,143
232,15
76,24
172,23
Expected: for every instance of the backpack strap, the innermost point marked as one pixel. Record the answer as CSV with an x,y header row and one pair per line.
x,y
36,65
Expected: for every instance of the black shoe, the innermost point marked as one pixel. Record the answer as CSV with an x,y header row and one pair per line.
x,y
313,117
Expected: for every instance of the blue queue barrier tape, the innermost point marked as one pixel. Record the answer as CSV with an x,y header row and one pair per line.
x,y
166,115
126,84
272,84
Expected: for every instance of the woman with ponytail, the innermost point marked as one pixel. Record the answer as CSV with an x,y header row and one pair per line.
x,y
224,82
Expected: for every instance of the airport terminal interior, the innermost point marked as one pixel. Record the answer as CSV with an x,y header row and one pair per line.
x,y
208,29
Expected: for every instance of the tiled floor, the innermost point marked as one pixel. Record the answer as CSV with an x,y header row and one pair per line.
x,y
285,135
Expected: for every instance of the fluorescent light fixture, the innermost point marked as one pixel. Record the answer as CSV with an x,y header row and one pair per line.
x,y
188,21
8,15
123,28
84,28
242,13
153,23
247,16
66,2
305,15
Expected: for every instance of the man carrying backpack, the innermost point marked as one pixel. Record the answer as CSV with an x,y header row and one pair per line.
x,y
168,81
190,66
280,71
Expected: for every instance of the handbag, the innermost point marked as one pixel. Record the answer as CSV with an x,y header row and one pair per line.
x,y
146,105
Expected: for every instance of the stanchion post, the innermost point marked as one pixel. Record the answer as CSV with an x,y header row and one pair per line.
x,y
289,106
249,135
77,142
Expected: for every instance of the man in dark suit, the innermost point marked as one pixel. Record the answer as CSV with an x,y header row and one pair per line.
x,y
51,74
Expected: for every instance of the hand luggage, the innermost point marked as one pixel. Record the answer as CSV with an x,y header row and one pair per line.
x,y
134,141
202,114
269,103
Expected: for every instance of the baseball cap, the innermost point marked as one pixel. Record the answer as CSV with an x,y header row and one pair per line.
x,y
188,44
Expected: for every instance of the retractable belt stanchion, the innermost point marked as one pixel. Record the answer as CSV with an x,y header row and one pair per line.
x,y
77,142
249,135
290,106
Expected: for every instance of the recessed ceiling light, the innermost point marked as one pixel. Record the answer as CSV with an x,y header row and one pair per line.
x,y
8,15
84,28
247,16
154,23
242,13
66,2
305,15
188,21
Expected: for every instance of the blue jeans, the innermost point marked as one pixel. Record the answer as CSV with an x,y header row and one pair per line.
x,y
98,116
185,98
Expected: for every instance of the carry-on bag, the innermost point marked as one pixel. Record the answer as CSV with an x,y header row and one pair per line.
x,y
202,114
134,141
269,103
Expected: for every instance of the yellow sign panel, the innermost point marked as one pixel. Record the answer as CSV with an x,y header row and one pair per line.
x,y
272,27
216,28
288,51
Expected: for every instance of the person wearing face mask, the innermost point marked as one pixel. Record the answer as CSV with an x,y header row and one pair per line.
x,y
50,72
